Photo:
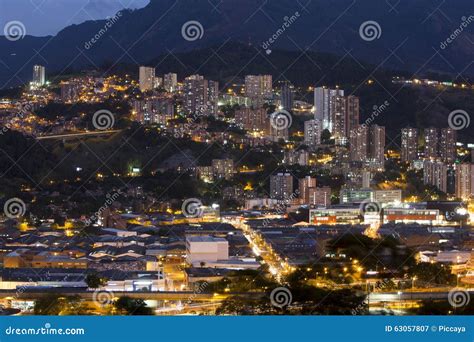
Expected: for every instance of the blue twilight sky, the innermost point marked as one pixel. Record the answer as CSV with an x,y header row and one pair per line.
x,y
48,17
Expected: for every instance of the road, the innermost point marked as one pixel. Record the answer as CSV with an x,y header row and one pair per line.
x,y
77,135
378,297
33,293
278,267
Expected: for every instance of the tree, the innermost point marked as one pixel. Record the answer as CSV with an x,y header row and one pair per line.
x,y
428,274
93,280
54,305
326,137
130,306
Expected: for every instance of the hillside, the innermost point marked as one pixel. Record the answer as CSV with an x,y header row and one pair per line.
x,y
411,33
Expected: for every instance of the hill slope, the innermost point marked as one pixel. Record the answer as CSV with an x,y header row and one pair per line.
x,y
410,37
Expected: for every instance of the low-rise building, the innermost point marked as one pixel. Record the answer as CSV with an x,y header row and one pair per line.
x,y
202,249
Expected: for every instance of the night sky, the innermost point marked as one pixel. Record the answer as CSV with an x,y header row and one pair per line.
x,y
48,17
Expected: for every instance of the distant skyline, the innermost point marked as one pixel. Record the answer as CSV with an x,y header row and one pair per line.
x,y
48,17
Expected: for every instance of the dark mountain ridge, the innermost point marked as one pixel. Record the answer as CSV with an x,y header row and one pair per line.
x,y
412,32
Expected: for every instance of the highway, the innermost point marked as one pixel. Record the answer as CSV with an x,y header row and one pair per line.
x,y
31,294
76,135
379,297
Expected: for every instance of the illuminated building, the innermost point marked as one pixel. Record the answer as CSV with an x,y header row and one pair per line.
x,y
377,146
205,173
464,180
359,144
286,96
387,196
153,111
435,173
338,118
431,143
223,168
323,98
335,215
292,157
278,133
447,145
228,99
281,186
146,78
206,249
409,150
319,197
252,119
170,82
305,184
258,88
344,113
410,215
200,95
312,133
39,75
356,195
69,91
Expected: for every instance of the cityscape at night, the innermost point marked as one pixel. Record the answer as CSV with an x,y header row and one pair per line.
x,y
227,158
